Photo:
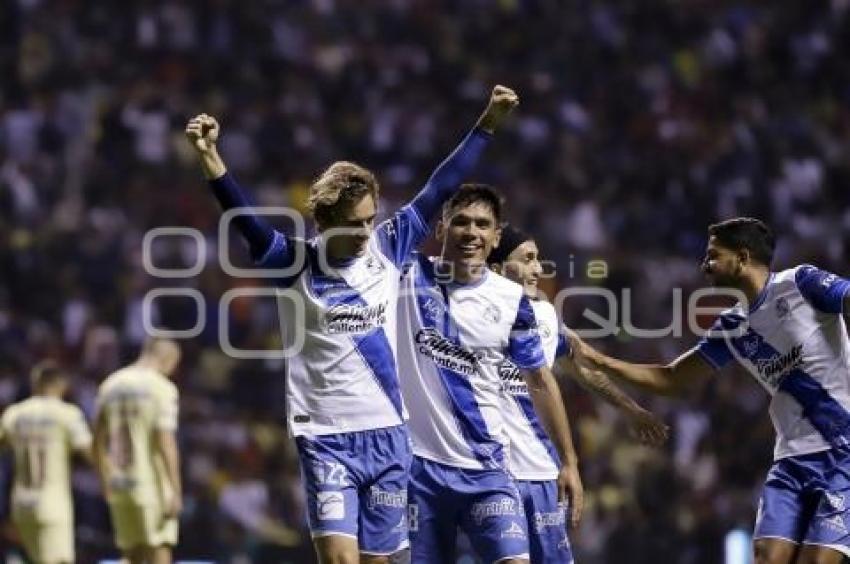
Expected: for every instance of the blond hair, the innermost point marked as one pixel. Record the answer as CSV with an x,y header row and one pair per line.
x,y
338,187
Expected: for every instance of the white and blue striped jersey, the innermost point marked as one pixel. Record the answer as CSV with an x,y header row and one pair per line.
x,y
532,456
344,378
453,339
793,340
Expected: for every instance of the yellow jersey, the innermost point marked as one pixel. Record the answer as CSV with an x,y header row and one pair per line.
x,y
136,402
43,432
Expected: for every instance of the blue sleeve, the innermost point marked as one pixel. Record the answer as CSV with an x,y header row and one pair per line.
x,y
824,290
399,235
254,229
564,348
713,347
450,174
524,346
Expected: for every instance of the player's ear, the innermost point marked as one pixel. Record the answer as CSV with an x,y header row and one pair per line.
x,y
440,231
498,237
744,256
496,267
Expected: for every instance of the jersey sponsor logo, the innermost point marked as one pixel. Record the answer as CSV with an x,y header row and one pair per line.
x,y
512,381
384,498
431,309
483,510
447,354
330,506
514,531
347,318
773,369
550,519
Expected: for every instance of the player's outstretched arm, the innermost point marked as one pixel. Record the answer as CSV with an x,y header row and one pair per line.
x,y
546,397
202,131
645,425
673,379
459,164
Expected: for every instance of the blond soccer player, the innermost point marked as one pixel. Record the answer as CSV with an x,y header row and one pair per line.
x,y
136,453
44,432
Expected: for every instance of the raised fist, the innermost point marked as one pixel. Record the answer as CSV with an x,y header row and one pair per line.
x,y
202,132
502,102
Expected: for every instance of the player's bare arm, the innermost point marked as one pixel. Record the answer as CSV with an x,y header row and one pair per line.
x,y
546,397
202,131
645,425
167,446
673,379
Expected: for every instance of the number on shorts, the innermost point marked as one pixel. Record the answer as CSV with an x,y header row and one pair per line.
x,y
412,517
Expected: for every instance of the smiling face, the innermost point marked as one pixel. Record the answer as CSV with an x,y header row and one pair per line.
x,y
523,267
468,234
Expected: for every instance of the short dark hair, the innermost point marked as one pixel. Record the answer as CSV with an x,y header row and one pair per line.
x,y
746,233
45,373
469,194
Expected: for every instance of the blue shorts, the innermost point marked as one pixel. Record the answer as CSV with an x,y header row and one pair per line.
x,y
806,500
485,504
547,522
357,486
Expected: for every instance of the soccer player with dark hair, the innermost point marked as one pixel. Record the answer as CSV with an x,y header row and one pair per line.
x,y
344,403
459,324
533,460
790,333
43,432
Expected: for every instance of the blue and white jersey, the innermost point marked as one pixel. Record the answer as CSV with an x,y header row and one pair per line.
x,y
793,340
452,341
344,377
532,455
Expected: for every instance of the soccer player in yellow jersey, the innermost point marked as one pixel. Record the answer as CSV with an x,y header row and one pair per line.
x,y
136,453
43,432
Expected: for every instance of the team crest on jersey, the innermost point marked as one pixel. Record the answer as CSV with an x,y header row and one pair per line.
x,y
374,266
751,343
492,314
431,310
544,331
782,308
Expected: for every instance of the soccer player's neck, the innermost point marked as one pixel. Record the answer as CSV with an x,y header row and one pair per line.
x,y
461,272
753,281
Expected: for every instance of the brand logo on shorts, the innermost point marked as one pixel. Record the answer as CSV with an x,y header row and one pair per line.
x,y
835,500
514,531
483,510
553,519
330,506
384,498
782,308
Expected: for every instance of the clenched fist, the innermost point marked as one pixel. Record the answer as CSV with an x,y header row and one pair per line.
x,y
202,132
502,102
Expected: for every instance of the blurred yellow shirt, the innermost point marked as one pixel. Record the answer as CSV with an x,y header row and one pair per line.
x,y
43,432
136,402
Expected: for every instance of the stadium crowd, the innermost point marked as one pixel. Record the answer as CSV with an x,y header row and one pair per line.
x,y
641,123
